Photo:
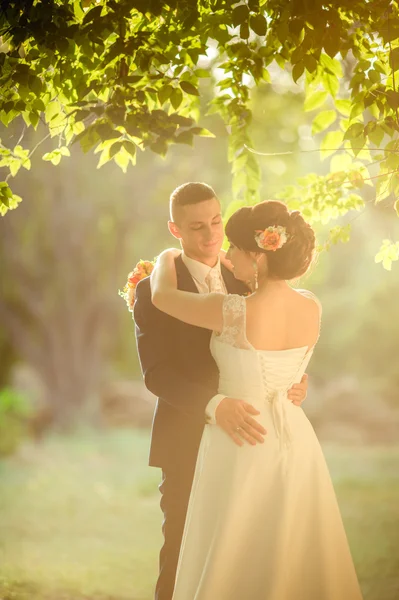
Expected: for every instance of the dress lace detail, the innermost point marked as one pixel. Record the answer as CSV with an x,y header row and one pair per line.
x,y
234,322
313,297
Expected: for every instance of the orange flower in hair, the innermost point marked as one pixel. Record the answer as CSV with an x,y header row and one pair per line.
x,y
272,238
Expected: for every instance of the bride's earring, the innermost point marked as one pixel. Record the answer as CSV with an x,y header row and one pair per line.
x,y
255,265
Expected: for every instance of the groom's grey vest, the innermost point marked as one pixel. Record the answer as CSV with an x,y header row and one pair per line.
x,y
178,368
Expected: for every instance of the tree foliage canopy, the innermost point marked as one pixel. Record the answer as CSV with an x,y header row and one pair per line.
x,y
119,76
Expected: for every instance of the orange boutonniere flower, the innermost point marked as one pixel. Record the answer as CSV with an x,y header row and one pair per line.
x,y
141,270
271,238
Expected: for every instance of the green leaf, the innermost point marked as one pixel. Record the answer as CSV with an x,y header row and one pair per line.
x,y
92,14
33,119
343,107
330,83
202,132
356,179
189,88
21,152
357,109
374,76
52,109
176,98
87,139
64,151
332,65
202,73
394,184
54,157
297,70
180,120
244,31
164,93
314,100
323,120
394,59
106,131
341,162
258,24
14,167
104,158
354,131
393,99
77,9
116,146
357,145
332,42
339,233
38,105
376,134
122,159
331,143
240,14
130,147
186,137
382,188
159,147
388,253
8,200
310,62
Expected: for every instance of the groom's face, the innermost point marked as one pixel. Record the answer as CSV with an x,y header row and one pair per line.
x,y
200,229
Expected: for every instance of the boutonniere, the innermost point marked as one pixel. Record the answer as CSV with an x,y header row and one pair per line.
x,y
142,270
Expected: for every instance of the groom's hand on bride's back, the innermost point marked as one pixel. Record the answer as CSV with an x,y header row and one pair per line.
x,y
235,418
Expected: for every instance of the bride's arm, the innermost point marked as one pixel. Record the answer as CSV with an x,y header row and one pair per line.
x,y
202,310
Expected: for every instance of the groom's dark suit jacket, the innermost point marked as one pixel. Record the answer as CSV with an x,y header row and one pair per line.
x,y
178,368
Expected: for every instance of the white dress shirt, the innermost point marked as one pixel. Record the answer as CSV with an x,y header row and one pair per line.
x,y
207,279
203,274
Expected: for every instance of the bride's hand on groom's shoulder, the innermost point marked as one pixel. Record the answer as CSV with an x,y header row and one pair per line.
x,y
168,254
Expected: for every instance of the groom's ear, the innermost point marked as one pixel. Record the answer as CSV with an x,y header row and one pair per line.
x,y
174,230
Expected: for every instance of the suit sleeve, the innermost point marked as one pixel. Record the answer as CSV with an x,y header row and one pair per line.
x,y
154,335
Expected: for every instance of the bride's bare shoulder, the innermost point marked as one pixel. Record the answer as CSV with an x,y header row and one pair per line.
x,y
309,296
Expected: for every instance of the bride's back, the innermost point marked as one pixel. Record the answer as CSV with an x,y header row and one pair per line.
x,y
282,318
270,245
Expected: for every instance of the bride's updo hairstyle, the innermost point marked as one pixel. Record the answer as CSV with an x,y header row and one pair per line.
x,y
291,260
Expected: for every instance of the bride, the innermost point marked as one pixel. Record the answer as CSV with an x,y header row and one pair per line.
x,y
263,521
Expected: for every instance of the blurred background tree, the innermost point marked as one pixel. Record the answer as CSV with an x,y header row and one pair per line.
x,y
67,250
120,77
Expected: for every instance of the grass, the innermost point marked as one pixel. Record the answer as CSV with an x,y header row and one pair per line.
x,y
79,518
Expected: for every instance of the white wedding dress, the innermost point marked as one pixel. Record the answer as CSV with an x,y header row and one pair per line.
x,y
263,521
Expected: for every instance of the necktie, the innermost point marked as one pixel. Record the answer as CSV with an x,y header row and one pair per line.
x,y
213,279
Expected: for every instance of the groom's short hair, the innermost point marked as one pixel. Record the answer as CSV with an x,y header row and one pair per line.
x,y
186,194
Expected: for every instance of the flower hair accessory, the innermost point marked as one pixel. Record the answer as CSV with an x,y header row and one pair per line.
x,y
142,270
272,238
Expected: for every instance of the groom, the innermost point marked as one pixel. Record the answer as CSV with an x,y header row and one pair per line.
x,y
178,368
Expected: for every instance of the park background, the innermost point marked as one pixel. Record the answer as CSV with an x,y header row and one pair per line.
x,y
79,513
